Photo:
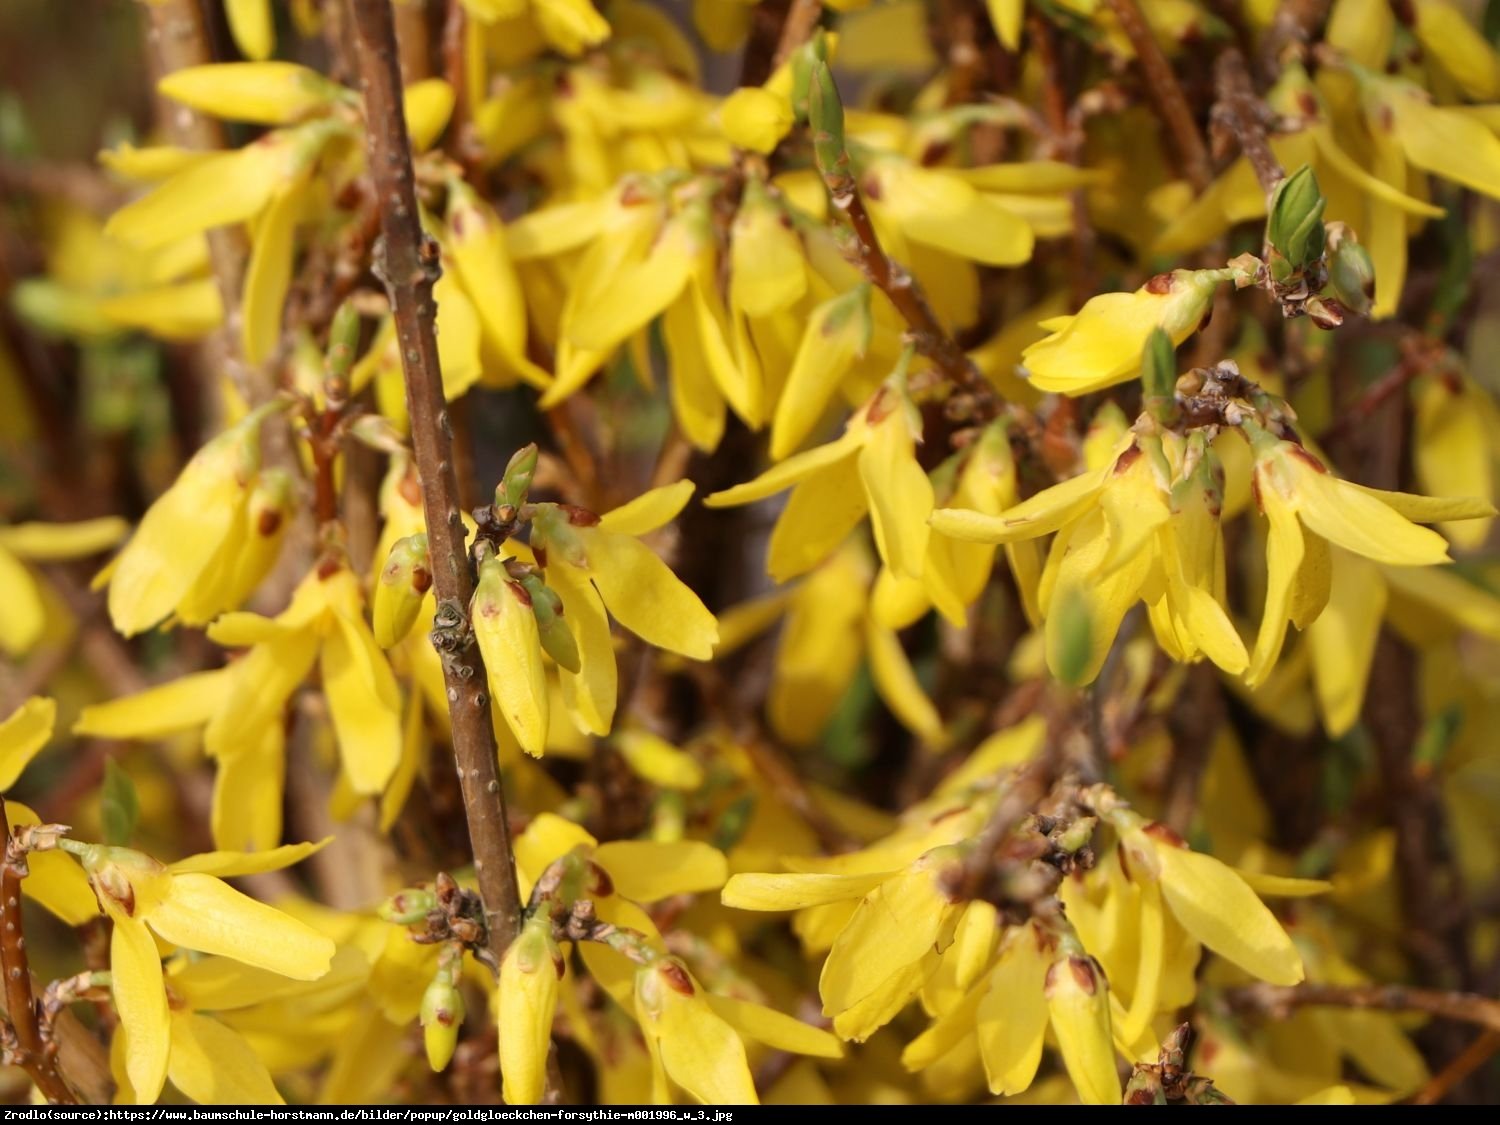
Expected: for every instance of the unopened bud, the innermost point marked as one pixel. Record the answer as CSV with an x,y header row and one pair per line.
x,y
516,482
557,639
1351,273
1325,312
1294,227
408,907
404,582
1159,377
442,1013
825,115
343,341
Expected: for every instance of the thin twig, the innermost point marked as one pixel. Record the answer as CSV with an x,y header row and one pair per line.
x,y
1278,1001
408,262
1475,1055
801,21
1293,26
1166,93
1244,115
30,1051
926,332
1064,139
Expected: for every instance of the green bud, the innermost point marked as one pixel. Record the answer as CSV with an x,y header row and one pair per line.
x,y
1351,273
404,582
806,58
825,114
1159,377
343,341
1294,227
557,639
408,907
516,483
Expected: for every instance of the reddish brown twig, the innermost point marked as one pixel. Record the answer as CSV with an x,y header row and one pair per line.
x,y
1238,110
801,21
1293,26
1166,94
1475,1055
30,1051
407,261
1278,1001
927,334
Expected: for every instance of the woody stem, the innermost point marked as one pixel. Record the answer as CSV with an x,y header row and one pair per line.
x,y
1278,1001
34,1057
407,261
1238,109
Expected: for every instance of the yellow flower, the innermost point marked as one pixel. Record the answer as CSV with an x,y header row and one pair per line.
x,y
25,616
1102,345
188,904
1307,510
871,469
253,27
569,25
185,532
324,624
505,629
529,975
596,563
1078,1007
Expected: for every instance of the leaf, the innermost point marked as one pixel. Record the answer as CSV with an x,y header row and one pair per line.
x,y
119,806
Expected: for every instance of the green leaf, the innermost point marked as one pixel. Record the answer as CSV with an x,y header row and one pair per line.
x,y
119,807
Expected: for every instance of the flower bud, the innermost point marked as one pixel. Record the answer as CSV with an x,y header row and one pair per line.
x,y
825,115
506,631
1294,227
442,1013
557,639
343,342
516,482
1078,1005
408,907
404,582
1159,377
529,975
1351,273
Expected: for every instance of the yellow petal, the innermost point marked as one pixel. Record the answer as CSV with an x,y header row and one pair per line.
x,y
49,541
648,871
797,890
590,693
177,705
527,1003
1012,1018
203,913
363,702
941,210
1078,1006
248,791
775,1030
266,93
658,761
252,26
214,1065
789,472
1451,145
696,1048
643,594
25,615
1216,906
1428,509
22,735
230,865
224,188
1283,558
429,105
755,118
141,1000
1342,640
186,311
898,685
1358,522
767,270
648,511
1045,512
837,332
506,630
819,515
899,494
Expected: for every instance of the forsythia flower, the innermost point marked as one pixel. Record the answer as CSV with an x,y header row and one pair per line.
x,y
529,976
871,469
192,544
1308,510
325,625
1102,344
188,904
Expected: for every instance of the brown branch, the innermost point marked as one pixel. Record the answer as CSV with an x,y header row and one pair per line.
x,y
1293,26
1166,94
30,1051
801,21
1475,1055
1238,110
1064,140
926,332
407,262
1278,1001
